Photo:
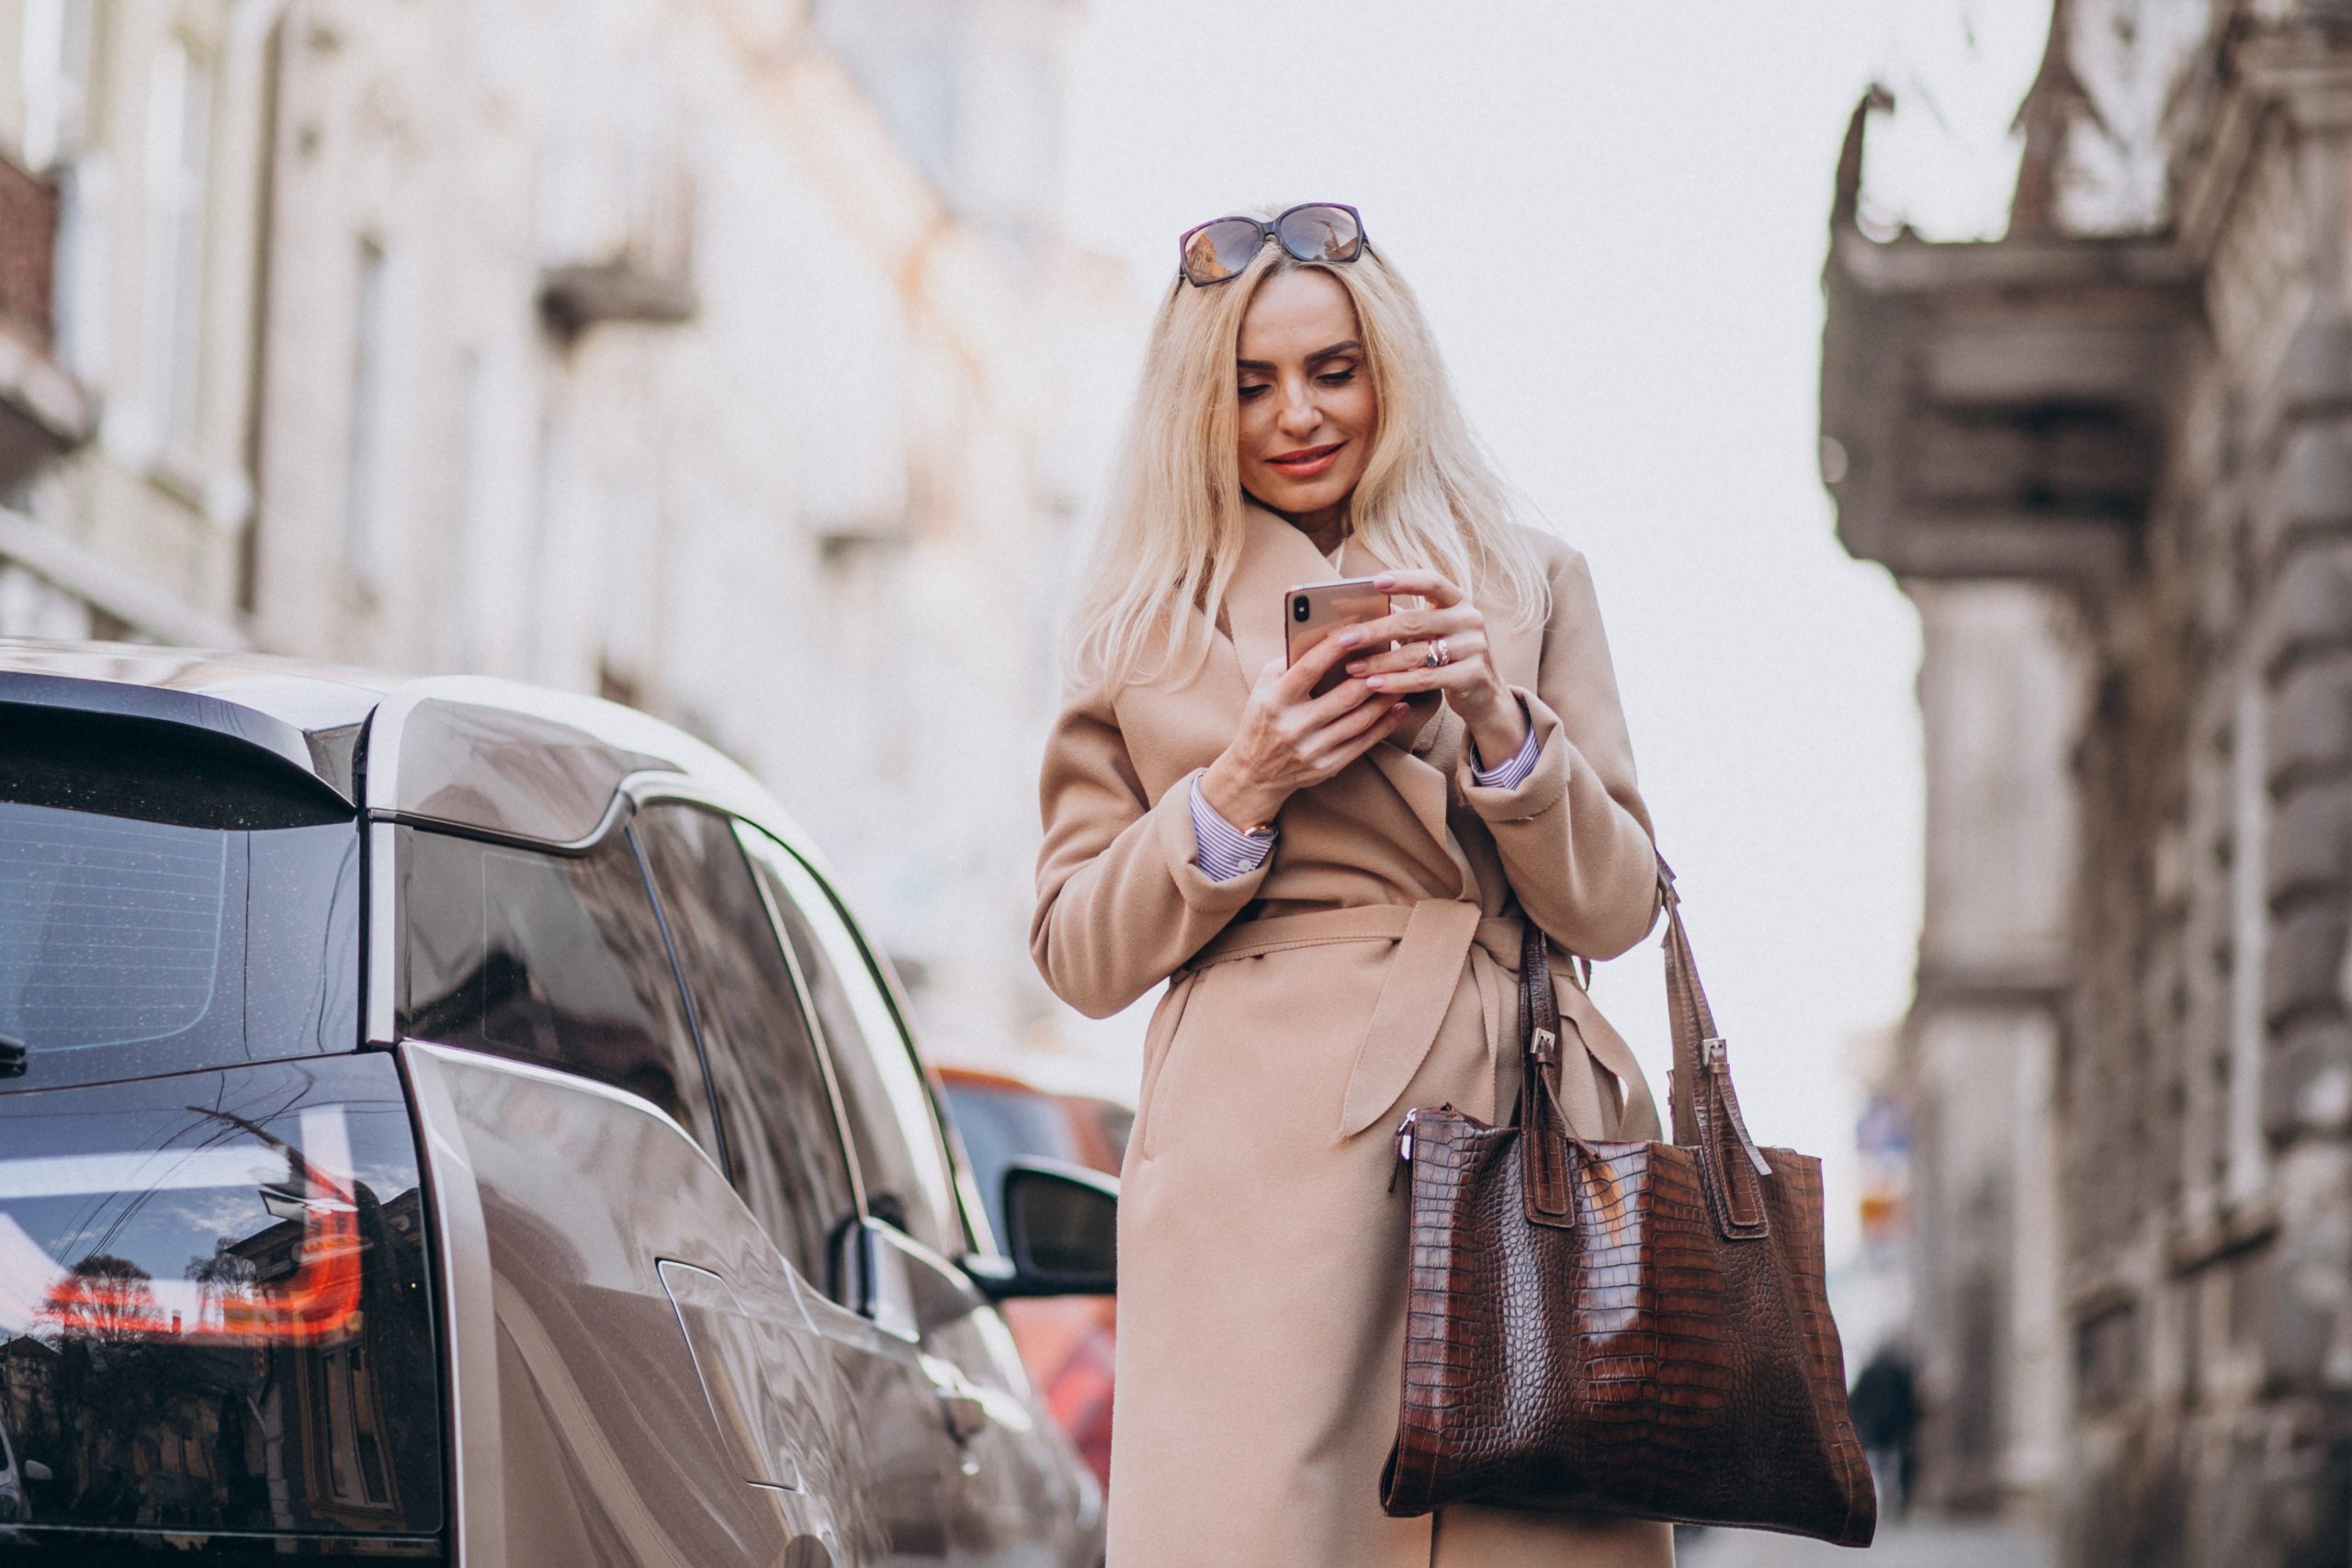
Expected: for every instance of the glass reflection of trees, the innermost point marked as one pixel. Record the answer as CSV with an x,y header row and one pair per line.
x,y
149,1428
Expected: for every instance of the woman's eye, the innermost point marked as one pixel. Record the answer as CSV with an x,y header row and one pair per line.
x,y
1250,394
1337,377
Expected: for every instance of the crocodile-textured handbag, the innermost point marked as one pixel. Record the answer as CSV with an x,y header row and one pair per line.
x,y
1635,1328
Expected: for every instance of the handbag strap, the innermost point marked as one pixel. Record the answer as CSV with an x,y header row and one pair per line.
x,y
1705,1107
1544,1132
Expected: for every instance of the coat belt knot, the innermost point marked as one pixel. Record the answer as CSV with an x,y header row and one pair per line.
x,y
1434,939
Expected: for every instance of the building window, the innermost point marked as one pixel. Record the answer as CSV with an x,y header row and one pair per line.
x,y
363,541
178,155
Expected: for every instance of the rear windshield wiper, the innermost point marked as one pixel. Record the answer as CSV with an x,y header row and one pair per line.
x,y
12,1057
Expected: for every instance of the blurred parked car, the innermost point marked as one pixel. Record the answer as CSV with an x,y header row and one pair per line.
x,y
1067,1343
443,1120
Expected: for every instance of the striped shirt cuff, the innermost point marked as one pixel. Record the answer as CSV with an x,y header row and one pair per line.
x,y
1224,852
1512,774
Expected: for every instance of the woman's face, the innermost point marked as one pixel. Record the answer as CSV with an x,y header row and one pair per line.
x,y
1308,412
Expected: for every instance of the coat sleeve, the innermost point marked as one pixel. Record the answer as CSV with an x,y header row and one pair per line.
x,y
1121,901
1574,834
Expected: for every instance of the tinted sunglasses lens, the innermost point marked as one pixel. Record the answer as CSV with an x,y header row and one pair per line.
x,y
1214,252
1321,233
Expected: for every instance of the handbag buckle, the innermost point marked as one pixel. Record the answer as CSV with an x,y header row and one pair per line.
x,y
1547,1046
1711,1051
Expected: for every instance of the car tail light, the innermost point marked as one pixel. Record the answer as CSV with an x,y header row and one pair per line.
x,y
314,1297
215,1313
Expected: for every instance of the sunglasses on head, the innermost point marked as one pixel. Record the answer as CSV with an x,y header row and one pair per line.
x,y
1221,248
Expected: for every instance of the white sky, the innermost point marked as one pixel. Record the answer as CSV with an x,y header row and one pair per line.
x,y
1616,215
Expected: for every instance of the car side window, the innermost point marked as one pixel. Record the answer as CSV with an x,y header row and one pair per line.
x,y
783,1140
555,959
908,1181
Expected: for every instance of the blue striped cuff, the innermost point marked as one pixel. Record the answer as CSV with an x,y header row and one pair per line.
x,y
1513,774
1224,852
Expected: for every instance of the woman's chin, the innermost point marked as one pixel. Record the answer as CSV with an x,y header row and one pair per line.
x,y
1294,499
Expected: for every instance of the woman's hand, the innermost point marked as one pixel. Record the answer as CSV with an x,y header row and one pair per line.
x,y
1473,687
1291,739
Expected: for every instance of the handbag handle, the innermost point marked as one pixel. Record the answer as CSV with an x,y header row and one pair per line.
x,y
1705,1108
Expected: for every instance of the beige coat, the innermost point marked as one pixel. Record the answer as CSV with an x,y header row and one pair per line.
x,y
1364,969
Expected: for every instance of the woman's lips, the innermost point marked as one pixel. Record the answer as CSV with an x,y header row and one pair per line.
x,y
1307,464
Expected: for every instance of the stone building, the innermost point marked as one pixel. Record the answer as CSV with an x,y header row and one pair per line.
x,y
2109,456
721,355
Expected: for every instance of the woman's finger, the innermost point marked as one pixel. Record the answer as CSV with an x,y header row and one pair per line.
x,y
1379,730
1403,656
1300,678
1419,626
1460,675
1459,647
1343,698
1346,727
1430,585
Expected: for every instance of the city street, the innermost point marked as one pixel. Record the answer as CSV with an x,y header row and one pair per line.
x,y
1926,1543
659,680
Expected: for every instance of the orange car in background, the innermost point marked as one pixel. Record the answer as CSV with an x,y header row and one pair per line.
x,y
1066,1342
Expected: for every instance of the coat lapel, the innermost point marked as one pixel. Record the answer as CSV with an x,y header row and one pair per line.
x,y
1275,558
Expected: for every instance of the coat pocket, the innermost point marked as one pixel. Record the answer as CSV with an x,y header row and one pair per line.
x,y
1159,1044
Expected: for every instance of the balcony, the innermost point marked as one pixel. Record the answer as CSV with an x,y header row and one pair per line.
x,y
43,411
1997,409
628,254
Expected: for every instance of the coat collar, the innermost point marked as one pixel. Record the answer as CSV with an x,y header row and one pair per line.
x,y
1277,558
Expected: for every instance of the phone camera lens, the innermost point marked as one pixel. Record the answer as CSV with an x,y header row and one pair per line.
x,y
1298,608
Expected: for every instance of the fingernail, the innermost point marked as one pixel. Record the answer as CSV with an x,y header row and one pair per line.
x,y
1350,637
1377,684
1355,666
1385,581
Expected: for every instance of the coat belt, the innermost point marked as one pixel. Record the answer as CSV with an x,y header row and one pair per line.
x,y
1434,939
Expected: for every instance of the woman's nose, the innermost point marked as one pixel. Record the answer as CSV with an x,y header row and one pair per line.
x,y
1299,415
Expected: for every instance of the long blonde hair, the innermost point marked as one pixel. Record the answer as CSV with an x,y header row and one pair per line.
x,y
1430,497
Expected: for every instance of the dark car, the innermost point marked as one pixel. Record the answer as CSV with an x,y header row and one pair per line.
x,y
445,1120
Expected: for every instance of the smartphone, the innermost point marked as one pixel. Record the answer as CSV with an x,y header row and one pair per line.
x,y
1314,610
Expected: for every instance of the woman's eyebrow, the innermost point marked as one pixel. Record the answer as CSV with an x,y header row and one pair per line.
x,y
1336,349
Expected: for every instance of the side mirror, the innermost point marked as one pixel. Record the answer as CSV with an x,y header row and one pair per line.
x,y
1061,1224
33,1469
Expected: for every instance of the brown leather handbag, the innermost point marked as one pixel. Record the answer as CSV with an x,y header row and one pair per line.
x,y
1633,1328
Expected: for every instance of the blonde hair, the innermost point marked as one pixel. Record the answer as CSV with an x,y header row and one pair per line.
x,y
1430,497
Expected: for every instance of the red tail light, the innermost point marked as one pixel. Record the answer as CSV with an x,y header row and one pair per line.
x,y
215,1313
315,1299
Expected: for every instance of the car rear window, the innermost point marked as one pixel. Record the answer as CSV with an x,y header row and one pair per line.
x,y
131,945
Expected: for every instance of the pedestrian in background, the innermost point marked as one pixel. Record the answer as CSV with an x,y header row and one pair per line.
x,y
1331,885
1886,1405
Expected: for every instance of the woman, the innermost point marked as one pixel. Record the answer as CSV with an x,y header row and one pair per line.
x,y
1331,886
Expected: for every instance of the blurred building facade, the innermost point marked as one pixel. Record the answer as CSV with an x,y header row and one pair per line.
x,y
721,355
2109,456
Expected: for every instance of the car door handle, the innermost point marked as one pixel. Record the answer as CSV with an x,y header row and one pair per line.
x,y
967,1412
